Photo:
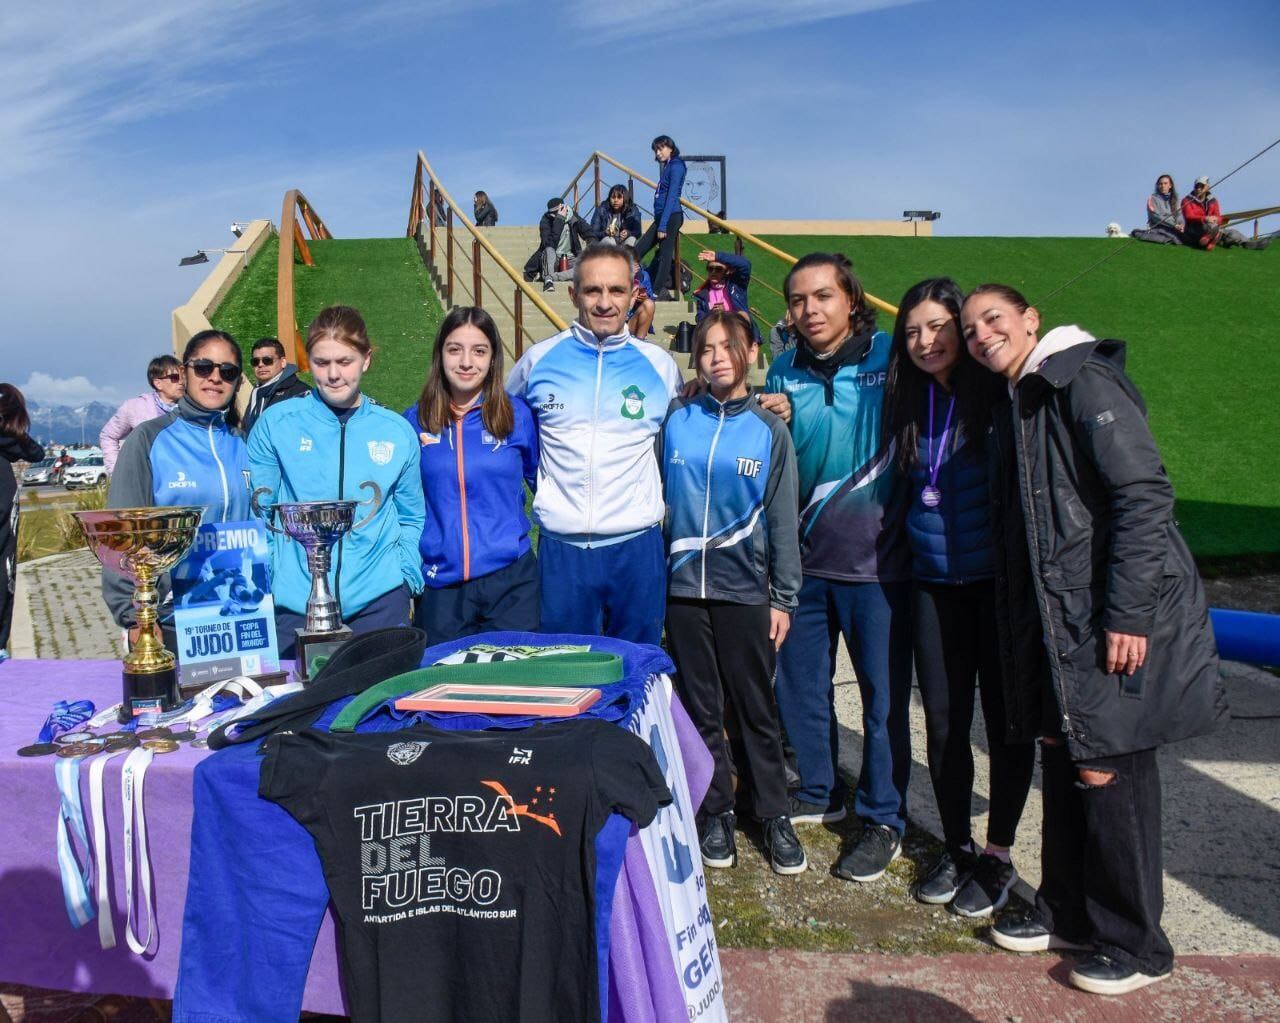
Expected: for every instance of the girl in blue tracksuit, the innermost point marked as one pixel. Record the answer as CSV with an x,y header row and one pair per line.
x,y
733,560
478,449
664,232
192,455
338,444
937,406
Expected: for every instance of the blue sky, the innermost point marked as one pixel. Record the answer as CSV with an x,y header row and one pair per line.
x,y
132,133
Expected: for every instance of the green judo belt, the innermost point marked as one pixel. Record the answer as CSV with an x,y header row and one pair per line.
x,y
569,669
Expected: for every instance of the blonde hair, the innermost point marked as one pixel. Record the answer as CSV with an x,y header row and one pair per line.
x,y
339,323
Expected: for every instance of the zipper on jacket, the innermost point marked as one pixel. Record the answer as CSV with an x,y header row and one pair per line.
x,y
342,465
591,450
706,504
222,471
462,499
1055,669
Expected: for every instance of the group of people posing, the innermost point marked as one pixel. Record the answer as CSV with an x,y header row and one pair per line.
x,y
962,491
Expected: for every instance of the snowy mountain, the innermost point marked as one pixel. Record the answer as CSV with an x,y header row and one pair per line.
x,y
61,424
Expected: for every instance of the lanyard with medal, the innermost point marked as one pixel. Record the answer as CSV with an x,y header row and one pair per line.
x,y
931,495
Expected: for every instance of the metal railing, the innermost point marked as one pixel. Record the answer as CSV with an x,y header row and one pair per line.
x,y
741,237
293,243
431,209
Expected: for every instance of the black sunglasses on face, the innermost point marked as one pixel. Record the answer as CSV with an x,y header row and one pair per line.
x,y
229,372
173,378
262,360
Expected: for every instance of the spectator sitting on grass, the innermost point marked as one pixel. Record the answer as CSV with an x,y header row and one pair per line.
x,y
783,336
561,237
486,214
725,287
616,220
1164,215
1206,227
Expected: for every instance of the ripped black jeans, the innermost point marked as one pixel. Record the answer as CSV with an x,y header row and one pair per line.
x,y
1102,875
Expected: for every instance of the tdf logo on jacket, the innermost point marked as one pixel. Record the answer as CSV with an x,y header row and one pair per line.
x,y
632,403
749,467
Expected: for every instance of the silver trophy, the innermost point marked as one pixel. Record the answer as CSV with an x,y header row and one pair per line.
x,y
317,526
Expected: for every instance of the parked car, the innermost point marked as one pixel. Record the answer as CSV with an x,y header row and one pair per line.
x,y
92,472
42,473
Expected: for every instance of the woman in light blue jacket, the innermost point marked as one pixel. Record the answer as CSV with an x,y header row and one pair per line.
x,y
337,443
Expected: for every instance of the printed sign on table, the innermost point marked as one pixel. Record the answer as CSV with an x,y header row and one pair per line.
x,y
675,862
222,606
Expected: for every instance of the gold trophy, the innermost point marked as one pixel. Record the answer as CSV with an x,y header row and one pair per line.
x,y
140,544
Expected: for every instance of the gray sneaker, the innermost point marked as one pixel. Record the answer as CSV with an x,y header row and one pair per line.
x,y
940,885
877,847
817,813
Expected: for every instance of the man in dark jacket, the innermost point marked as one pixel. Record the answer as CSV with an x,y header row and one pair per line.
x,y
1117,658
561,233
277,380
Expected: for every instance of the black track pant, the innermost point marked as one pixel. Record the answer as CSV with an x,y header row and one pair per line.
x,y
956,645
1101,866
724,665
660,269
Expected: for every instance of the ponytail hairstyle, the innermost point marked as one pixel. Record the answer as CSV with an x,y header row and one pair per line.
x,y
1011,295
434,412
862,320
666,140
906,393
340,323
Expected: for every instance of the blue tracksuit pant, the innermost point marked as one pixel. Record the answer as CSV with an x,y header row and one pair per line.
x,y
875,619
619,590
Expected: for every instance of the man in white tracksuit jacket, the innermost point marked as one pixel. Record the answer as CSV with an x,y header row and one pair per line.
x,y
600,396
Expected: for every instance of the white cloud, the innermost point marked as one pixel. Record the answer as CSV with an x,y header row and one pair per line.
x,y
78,390
616,19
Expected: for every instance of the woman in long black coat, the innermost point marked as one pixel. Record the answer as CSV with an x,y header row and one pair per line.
x,y
1104,629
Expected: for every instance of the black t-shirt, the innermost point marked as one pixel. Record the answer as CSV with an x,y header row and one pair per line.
x,y
462,864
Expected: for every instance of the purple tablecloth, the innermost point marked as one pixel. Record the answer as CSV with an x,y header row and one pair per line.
x,y
39,946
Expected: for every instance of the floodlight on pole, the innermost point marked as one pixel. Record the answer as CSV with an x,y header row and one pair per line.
x,y
915,216
202,256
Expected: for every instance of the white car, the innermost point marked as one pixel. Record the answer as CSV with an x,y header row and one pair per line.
x,y
92,472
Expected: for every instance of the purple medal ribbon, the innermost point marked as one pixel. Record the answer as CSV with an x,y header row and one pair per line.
x,y
931,495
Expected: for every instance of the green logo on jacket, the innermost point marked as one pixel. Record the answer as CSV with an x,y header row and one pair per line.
x,y
632,403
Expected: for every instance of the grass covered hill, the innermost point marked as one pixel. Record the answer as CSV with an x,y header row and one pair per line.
x,y
382,277
1200,327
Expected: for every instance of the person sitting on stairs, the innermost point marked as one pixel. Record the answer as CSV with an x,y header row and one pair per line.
x,y
562,234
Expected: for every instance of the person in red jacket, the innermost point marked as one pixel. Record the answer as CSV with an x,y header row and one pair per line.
x,y
1205,224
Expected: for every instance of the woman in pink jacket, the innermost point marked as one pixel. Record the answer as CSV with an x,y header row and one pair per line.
x,y
164,374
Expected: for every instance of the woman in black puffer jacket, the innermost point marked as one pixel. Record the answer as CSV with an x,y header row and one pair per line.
x,y
1103,619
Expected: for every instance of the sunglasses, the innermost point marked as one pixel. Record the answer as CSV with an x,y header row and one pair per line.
x,y
229,372
173,378
262,360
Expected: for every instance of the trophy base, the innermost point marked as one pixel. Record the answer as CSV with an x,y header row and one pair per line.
x,y
317,646
148,692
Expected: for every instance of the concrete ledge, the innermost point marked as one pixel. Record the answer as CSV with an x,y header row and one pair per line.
x,y
895,228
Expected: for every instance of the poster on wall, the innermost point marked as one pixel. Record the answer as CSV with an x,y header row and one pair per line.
x,y
222,607
704,184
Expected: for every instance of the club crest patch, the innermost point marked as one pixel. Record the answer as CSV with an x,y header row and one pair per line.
x,y
632,403
381,451
405,753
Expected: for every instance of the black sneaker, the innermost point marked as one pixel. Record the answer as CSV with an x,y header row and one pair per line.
x,y
987,888
548,285
786,854
878,846
1102,975
816,813
945,878
1024,932
715,839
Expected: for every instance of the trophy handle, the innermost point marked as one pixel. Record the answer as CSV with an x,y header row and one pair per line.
x,y
266,514
375,499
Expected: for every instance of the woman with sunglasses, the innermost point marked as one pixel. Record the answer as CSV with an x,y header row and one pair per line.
x,y
193,455
337,444
164,374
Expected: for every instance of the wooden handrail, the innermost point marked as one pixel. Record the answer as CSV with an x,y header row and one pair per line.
x,y
418,212
291,242
710,217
